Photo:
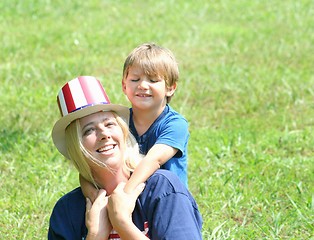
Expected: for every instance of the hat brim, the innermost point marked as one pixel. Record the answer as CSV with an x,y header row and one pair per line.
x,y
58,131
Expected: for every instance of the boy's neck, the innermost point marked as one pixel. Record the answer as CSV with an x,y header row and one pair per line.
x,y
144,119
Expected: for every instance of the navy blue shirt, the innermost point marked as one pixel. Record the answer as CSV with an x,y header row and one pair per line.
x,y
170,128
164,210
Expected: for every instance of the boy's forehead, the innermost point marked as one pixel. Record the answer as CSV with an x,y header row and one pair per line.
x,y
135,69
144,68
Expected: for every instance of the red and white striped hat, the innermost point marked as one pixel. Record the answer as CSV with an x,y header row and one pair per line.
x,y
78,98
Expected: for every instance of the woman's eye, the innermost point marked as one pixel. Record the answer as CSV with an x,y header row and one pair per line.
x,y
109,124
88,131
135,80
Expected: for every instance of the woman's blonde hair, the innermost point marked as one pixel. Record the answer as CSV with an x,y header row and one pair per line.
x,y
79,155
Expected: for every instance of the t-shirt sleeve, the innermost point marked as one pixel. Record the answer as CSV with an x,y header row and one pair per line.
x,y
174,132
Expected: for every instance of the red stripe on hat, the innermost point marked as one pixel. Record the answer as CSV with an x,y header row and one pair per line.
x,y
104,93
68,98
89,93
86,90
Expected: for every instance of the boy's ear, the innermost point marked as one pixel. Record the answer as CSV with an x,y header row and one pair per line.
x,y
123,86
171,90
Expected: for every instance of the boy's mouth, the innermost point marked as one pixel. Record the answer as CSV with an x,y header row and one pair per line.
x,y
143,95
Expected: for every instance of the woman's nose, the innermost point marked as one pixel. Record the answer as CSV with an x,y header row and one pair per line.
x,y
103,133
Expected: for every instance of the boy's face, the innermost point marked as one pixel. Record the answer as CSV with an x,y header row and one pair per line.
x,y
145,92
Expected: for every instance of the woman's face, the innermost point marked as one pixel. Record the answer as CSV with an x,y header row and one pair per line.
x,y
103,137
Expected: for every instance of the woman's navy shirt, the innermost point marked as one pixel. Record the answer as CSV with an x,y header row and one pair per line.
x,y
164,210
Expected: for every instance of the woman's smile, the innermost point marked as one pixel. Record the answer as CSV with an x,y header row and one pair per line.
x,y
106,148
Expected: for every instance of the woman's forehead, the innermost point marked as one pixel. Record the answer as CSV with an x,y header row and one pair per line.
x,y
97,117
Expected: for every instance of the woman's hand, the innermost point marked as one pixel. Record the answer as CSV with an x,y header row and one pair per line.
x,y
96,217
120,208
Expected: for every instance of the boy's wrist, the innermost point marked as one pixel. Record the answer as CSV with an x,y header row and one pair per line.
x,y
99,236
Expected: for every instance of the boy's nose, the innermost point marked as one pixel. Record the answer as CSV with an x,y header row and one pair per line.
x,y
143,84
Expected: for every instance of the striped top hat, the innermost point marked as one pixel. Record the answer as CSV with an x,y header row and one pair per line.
x,y
78,98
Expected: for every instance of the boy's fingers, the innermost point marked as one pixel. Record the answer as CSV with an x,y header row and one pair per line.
x,y
139,189
120,186
101,194
88,204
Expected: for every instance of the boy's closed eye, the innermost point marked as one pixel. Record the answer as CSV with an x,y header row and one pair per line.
x,y
153,80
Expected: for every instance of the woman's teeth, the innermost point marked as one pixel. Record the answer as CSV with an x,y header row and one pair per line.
x,y
106,148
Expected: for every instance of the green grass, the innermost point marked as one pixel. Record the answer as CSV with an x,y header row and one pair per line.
x,y
246,87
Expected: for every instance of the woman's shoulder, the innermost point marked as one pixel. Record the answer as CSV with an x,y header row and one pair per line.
x,y
73,200
68,216
165,197
164,182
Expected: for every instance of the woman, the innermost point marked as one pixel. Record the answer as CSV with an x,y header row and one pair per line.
x,y
93,134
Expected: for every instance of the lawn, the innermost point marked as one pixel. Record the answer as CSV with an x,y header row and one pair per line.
x,y
246,87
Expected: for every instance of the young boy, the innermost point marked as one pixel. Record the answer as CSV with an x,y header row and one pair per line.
x,y
150,76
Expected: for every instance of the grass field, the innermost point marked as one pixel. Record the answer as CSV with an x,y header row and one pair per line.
x,y
246,87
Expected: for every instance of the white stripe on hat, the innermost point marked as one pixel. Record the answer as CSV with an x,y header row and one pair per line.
x,y
62,102
77,93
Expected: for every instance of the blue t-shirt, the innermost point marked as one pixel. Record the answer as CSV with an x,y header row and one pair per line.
x,y
164,210
171,129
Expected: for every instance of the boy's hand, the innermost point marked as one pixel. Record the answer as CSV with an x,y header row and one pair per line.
x,y
96,217
121,205
88,189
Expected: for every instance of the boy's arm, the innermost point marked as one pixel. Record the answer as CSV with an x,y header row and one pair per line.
x,y
158,155
88,189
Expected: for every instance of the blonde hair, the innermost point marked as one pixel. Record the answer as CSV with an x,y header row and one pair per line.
x,y
80,156
156,61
